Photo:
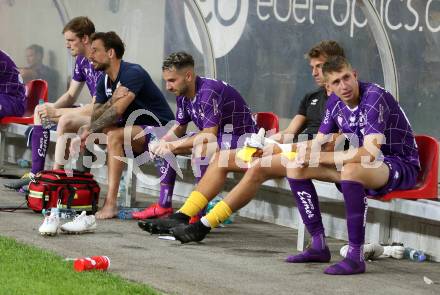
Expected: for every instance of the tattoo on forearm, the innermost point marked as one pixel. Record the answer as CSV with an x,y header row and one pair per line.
x,y
108,118
99,109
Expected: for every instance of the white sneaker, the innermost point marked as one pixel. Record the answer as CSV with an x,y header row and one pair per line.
x,y
80,224
50,225
371,251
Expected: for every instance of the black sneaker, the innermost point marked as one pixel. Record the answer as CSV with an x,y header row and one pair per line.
x,y
190,233
163,225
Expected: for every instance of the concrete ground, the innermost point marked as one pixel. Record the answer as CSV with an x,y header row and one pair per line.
x,y
245,257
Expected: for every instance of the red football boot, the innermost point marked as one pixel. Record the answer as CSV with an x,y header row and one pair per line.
x,y
154,211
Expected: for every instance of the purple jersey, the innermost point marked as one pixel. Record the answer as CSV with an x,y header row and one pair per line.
x,y
11,83
216,104
85,72
377,113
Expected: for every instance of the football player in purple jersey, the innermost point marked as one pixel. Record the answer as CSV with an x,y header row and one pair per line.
x,y
382,157
215,107
303,126
77,34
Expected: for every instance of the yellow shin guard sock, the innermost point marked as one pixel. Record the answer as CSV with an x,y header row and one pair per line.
x,y
195,202
218,214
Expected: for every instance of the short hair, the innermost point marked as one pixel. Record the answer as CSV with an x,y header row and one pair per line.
x,y
111,40
178,60
335,64
81,26
37,49
326,48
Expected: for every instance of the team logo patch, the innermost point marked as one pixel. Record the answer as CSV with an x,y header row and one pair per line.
x,y
340,120
108,92
180,114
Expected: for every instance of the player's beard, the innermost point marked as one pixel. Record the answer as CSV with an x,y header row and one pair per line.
x,y
183,91
100,66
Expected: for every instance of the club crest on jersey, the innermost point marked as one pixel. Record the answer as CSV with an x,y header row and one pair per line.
x,y
108,92
180,114
326,117
362,118
339,120
313,102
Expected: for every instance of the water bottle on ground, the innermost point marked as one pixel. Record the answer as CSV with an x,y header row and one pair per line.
x,y
414,254
213,202
91,263
46,123
127,213
22,163
63,213
122,193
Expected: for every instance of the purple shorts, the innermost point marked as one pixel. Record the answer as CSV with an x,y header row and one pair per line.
x,y
402,176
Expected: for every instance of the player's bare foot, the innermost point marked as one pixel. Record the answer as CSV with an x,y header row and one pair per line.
x,y
107,212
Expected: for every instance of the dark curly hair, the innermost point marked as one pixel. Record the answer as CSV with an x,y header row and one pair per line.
x,y
178,60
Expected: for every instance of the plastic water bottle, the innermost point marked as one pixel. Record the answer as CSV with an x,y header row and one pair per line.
x,y
122,193
414,254
63,213
213,202
127,213
46,123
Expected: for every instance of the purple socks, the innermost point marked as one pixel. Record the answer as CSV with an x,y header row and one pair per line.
x,y
199,167
168,178
308,206
40,143
356,213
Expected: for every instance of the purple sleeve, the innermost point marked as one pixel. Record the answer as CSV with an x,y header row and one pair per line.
x,y
210,109
328,124
181,116
78,74
378,111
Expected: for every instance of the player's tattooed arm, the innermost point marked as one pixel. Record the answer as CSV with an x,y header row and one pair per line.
x,y
112,110
99,109
108,118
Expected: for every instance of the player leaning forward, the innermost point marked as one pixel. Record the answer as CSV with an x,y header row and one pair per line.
x,y
384,160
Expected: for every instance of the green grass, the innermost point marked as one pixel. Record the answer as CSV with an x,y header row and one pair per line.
x,y
29,270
